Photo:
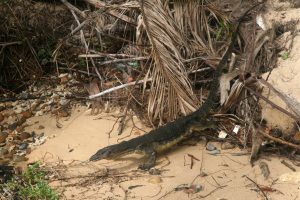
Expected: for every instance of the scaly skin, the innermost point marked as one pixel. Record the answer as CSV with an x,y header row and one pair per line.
x,y
171,133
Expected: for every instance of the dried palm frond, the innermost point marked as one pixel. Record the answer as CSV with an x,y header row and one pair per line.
x,y
170,89
203,22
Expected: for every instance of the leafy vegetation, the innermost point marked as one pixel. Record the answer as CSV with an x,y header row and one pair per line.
x,y
30,185
285,55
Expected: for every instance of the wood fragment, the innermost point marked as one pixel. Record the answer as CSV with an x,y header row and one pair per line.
x,y
288,165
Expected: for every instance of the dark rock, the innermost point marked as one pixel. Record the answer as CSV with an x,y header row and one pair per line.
x,y
1,117
276,132
24,135
3,137
23,146
227,145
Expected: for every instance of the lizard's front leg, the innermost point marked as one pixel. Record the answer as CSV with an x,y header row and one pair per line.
x,y
151,158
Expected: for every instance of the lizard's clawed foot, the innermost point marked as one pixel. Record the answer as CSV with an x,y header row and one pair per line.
x,y
146,166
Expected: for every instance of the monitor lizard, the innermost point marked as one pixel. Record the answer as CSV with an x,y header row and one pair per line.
x,y
172,133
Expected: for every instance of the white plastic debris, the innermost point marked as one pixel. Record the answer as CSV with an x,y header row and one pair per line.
x,y
260,22
222,134
236,129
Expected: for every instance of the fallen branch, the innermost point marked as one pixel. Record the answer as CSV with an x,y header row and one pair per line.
x,y
117,88
279,140
123,60
291,103
272,104
100,55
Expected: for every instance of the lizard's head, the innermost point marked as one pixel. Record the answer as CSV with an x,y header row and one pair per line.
x,y
109,152
101,154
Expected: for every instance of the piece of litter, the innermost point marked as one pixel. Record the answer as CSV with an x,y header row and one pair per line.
x,y
214,152
260,22
236,129
210,147
222,134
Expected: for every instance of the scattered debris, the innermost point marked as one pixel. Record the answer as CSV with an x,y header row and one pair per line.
x,y
189,188
236,129
222,134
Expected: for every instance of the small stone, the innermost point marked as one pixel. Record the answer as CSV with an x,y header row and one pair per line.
x,y
155,180
41,127
43,106
3,137
63,113
28,150
19,158
227,145
2,144
8,105
297,137
18,110
63,78
20,128
1,117
9,139
3,151
17,142
23,146
24,135
35,104
39,113
8,113
276,132
64,102
210,147
154,171
9,155
26,114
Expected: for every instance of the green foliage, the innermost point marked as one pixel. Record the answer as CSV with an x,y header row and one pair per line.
x,y
285,55
223,28
31,185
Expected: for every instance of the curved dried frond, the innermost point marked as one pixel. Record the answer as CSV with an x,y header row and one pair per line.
x,y
170,90
204,23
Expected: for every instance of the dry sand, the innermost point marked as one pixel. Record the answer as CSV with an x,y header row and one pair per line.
x,y
224,172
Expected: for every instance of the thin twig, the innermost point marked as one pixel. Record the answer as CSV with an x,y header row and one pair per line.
x,y
266,197
273,104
